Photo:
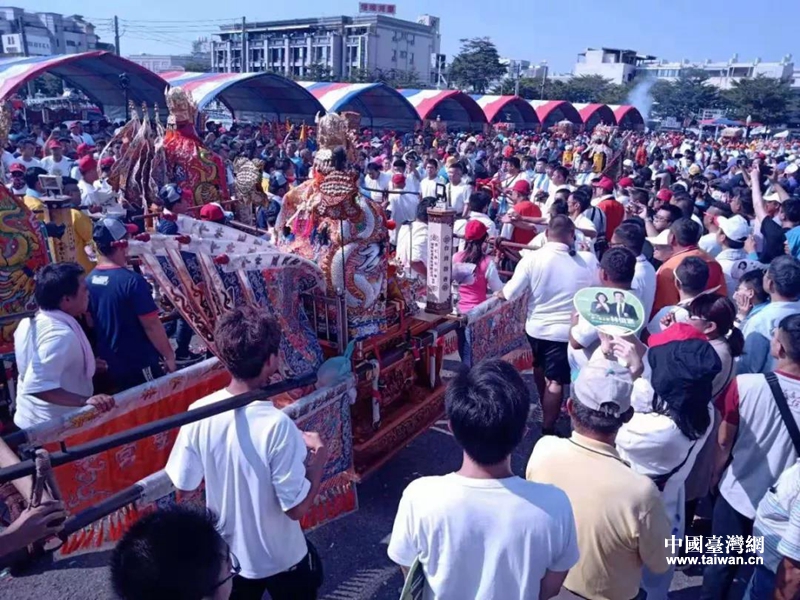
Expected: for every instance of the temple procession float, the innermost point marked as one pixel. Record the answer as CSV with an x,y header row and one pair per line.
x,y
366,357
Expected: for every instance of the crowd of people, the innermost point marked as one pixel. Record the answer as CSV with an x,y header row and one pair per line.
x,y
685,430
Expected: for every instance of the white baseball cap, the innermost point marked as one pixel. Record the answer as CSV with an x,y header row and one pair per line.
x,y
735,228
662,239
627,162
791,169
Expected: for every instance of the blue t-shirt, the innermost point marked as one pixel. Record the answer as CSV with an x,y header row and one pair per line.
x,y
118,298
166,227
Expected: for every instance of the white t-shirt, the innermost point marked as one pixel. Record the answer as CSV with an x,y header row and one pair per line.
x,y
83,138
458,196
644,284
587,336
381,183
63,168
483,539
252,460
56,361
412,245
427,187
553,277
403,208
709,244
33,162
763,449
89,196
653,445
734,264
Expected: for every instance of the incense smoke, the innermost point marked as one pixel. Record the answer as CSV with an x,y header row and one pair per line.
x,y
640,97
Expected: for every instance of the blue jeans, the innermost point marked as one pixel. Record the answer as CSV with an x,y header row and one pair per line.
x,y
717,579
762,584
183,335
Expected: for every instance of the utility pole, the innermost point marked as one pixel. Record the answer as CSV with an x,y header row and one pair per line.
x,y
23,38
116,34
516,83
244,45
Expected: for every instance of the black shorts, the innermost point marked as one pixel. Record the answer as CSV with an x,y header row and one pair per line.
x,y
552,358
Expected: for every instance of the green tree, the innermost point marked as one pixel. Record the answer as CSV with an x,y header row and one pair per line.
x,y
49,85
476,65
530,88
359,75
319,72
196,66
686,96
585,88
766,99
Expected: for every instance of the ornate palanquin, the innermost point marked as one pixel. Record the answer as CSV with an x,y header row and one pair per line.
x,y
326,220
152,156
209,269
496,329
23,251
85,482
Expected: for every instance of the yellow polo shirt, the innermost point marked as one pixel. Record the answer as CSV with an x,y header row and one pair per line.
x,y
619,516
35,205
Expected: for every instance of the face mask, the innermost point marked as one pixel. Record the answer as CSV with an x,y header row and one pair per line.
x,y
717,195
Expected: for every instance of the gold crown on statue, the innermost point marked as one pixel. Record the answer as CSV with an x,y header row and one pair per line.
x,y
332,130
182,108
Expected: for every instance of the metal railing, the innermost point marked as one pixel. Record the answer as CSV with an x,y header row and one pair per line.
x,y
68,455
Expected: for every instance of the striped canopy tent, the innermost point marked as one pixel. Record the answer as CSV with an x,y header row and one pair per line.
x,y
454,107
96,74
250,95
628,117
378,104
551,112
593,115
508,109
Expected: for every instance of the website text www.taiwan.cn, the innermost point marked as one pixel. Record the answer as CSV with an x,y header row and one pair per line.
x,y
715,550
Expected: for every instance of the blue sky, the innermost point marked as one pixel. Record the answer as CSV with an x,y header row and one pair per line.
x,y
527,29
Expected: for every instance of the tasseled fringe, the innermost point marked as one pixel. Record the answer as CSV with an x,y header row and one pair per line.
x,y
450,342
338,500
103,533
521,359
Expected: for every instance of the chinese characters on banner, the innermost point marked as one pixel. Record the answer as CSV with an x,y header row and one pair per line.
x,y
385,9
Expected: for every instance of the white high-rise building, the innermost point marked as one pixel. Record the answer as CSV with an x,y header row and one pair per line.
x,y
24,33
621,66
365,42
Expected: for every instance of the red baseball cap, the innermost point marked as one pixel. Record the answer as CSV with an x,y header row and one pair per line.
x,y
212,212
17,168
604,183
475,230
625,182
84,149
107,162
664,195
54,144
521,186
86,164
399,179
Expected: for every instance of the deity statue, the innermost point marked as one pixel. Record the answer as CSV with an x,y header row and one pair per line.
x,y
250,195
23,251
190,164
326,220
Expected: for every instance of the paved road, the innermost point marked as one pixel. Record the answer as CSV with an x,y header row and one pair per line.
x,y
353,548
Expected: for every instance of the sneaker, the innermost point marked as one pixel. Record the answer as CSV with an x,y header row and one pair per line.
x,y
190,358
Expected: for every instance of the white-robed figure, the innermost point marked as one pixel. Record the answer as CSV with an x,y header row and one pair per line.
x,y
673,417
55,360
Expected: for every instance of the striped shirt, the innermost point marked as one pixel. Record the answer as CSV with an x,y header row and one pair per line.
x,y
778,519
